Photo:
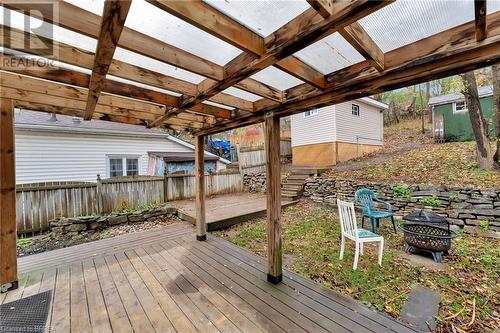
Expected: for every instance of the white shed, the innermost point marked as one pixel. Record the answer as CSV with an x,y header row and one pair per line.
x,y
64,148
323,137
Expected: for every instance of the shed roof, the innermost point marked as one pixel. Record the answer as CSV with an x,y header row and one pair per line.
x,y
450,98
213,65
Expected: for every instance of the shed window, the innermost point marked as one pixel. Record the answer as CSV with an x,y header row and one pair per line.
x,y
123,166
310,113
459,107
355,110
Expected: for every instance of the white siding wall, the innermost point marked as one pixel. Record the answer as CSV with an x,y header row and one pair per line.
x,y
369,126
43,156
317,128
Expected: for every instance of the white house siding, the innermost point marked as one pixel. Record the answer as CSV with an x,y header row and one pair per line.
x,y
368,127
43,156
318,128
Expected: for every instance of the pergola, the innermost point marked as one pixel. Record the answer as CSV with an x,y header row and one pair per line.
x,y
210,66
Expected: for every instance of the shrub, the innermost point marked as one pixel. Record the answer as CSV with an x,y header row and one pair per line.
x,y
400,190
433,201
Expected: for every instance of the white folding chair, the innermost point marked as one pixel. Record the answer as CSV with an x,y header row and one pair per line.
x,y
349,229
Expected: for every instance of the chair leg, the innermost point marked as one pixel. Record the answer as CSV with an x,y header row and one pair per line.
x,y
380,252
362,221
394,224
374,225
342,245
356,257
360,248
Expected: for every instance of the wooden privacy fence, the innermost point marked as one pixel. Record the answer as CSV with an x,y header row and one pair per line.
x,y
253,159
37,204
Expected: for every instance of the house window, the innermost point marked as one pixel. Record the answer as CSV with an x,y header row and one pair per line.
x,y
355,110
123,166
459,107
310,113
132,167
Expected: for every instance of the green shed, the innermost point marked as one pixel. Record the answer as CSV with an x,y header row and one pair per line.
x,y
450,119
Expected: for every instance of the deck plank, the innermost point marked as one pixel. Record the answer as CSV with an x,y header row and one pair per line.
x,y
151,307
80,318
193,313
60,321
138,318
116,311
99,318
243,323
175,314
216,316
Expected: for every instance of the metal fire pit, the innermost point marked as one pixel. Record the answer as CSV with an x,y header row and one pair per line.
x,y
429,232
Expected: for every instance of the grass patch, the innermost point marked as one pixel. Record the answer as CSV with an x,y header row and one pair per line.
x,y
311,235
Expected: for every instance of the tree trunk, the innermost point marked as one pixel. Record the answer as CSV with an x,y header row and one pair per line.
x,y
479,125
427,97
496,109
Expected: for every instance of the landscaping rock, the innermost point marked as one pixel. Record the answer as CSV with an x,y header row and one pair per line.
x,y
421,309
75,227
115,220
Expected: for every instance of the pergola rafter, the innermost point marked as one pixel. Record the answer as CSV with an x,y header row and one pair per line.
x,y
133,94
113,20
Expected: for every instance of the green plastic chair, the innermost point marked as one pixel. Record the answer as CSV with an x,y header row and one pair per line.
x,y
367,199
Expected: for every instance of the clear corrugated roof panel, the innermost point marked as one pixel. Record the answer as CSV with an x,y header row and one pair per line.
x,y
330,54
158,24
492,6
276,78
94,6
157,66
242,94
407,21
263,16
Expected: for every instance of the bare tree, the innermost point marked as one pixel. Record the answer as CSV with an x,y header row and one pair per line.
x,y
479,125
496,108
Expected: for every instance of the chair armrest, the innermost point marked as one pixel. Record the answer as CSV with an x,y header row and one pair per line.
x,y
386,203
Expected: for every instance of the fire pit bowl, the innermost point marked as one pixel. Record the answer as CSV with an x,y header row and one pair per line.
x,y
429,232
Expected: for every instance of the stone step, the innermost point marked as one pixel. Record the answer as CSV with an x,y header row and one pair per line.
x,y
289,197
304,171
294,187
298,177
289,192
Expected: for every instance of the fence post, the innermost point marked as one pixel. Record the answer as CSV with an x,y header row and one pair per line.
x,y
100,208
165,183
240,167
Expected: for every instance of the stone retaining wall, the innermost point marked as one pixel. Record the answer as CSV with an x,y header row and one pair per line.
x,y
254,182
471,209
76,225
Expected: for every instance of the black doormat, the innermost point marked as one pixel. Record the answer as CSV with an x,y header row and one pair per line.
x,y
27,314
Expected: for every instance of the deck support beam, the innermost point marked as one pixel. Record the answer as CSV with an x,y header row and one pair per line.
x,y
199,170
273,182
8,255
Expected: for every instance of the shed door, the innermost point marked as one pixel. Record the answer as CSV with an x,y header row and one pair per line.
x,y
438,126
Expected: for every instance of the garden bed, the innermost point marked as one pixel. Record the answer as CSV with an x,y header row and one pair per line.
x,y
468,283
51,240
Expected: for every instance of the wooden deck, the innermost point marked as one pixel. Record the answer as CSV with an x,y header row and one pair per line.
x,y
165,281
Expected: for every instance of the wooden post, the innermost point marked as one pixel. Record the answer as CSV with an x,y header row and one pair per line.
x,y
199,172
8,255
100,203
273,182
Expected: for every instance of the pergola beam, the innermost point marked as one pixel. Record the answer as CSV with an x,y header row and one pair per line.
x,y
113,19
447,53
76,19
354,34
364,44
292,37
71,77
480,19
